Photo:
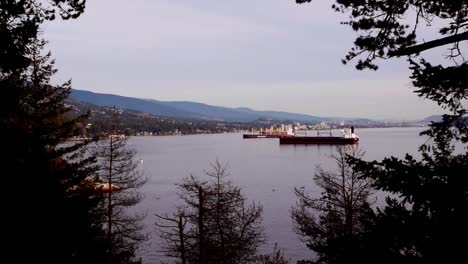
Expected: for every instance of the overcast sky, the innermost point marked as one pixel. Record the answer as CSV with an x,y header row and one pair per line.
x,y
262,54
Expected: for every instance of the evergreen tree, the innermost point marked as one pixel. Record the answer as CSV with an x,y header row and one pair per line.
x,y
121,179
389,28
332,224
54,219
424,221
63,208
215,223
19,26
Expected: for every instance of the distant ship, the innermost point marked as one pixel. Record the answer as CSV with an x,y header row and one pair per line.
x,y
346,138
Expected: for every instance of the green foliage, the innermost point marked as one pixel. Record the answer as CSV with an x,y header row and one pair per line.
x,y
53,219
389,28
19,24
424,220
48,172
445,85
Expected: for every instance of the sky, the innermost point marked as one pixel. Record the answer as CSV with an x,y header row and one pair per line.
x,y
262,54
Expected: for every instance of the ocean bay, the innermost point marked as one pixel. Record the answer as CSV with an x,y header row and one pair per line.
x,y
266,170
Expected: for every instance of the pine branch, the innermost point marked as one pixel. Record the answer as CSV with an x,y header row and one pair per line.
x,y
429,45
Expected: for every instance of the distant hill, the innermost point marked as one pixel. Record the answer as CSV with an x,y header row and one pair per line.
x,y
438,118
191,110
147,106
432,118
132,122
284,115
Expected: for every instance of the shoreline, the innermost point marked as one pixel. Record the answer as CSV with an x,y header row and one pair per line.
x,y
233,132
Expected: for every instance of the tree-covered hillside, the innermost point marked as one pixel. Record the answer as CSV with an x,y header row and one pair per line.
x,y
139,123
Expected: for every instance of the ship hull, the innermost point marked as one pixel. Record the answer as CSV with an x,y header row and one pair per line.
x,y
318,140
259,136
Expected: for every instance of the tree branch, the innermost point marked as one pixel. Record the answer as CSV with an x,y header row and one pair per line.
x,y
429,45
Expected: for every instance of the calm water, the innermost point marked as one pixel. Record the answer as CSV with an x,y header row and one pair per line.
x,y
265,170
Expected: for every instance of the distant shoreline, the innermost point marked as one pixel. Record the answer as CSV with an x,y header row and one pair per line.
x,y
245,131
230,132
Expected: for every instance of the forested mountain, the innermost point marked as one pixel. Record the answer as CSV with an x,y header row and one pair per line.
x,y
184,109
139,123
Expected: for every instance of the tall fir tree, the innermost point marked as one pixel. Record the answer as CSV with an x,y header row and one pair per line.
x,y
332,223
423,222
62,207
54,213
121,180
